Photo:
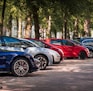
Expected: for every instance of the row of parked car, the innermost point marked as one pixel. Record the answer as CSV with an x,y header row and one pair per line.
x,y
20,56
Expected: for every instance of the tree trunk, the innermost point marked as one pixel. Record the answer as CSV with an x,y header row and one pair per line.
x,y
75,28
55,33
10,25
86,27
28,27
19,28
2,18
48,33
65,28
36,22
65,32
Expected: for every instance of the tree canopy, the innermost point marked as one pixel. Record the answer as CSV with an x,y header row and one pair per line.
x,y
47,17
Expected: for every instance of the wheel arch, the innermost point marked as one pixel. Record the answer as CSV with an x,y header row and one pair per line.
x,y
44,56
30,65
82,51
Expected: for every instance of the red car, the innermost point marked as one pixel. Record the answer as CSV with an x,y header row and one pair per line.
x,y
70,49
48,45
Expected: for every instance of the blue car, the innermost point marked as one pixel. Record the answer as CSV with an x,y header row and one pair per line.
x,y
17,63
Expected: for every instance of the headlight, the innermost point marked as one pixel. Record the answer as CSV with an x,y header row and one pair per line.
x,y
87,50
61,51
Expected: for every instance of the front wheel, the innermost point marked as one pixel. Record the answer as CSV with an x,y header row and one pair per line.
x,y
20,67
82,55
43,61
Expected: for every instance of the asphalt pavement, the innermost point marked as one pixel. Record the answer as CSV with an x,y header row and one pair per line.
x,y
69,75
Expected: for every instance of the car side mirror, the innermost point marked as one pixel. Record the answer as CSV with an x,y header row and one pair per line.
x,y
23,46
46,46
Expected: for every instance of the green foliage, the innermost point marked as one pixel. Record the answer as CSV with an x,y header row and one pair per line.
x,y
57,9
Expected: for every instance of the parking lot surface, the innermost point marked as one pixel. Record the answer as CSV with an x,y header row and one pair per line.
x,y
69,75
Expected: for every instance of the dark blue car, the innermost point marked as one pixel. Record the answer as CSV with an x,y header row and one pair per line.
x,y
17,63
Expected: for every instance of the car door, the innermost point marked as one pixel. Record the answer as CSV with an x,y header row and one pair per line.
x,y
68,48
65,45
2,59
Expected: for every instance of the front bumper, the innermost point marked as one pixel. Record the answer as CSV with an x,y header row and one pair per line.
x,y
56,59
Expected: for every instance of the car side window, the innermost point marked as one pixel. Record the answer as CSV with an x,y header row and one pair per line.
x,y
27,43
39,43
11,41
67,43
58,42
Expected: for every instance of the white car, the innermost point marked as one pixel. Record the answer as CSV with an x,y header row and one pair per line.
x,y
44,55
56,56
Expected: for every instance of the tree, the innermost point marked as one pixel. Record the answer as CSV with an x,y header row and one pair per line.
x,y
2,17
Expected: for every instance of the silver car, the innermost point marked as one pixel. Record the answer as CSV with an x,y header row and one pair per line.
x,y
56,56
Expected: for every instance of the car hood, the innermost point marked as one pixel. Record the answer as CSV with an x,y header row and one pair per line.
x,y
41,50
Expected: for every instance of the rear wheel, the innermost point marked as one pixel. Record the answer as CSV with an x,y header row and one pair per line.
x,y
43,61
20,67
82,55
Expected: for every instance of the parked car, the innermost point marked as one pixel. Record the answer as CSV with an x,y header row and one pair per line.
x,y
69,48
47,45
17,63
86,43
56,56
11,43
80,39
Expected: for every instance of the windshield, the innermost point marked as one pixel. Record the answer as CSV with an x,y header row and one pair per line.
x,y
29,43
41,44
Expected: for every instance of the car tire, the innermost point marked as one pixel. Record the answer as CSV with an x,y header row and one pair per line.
x,y
43,61
82,55
20,67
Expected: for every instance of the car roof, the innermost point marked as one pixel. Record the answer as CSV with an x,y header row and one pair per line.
x,y
80,39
